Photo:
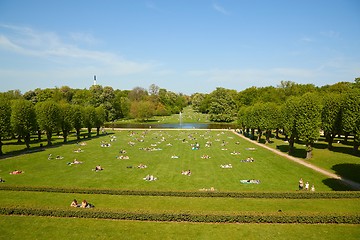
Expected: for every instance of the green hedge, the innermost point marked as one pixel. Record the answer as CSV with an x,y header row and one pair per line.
x,y
91,213
285,195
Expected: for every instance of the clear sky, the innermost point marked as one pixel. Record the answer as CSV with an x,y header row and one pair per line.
x,y
183,46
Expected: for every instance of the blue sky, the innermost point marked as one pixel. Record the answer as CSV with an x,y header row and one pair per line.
x,y
183,46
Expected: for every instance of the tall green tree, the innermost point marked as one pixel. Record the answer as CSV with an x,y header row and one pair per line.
x,y
290,113
23,119
222,107
66,119
5,123
308,120
142,110
331,116
89,118
77,119
100,118
351,116
48,118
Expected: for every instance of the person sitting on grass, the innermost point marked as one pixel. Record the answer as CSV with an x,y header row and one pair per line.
x,y
2,180
16,172
74,203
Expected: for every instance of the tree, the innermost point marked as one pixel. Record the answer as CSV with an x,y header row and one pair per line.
x,y
308,120
138,94
222,106
290,112
23,119
48,118
89,118
100,118
5,122
331,116
77,119
66,119
351,116
142,110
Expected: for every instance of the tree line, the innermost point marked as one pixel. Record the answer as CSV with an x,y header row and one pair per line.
x,y
299,110
64,109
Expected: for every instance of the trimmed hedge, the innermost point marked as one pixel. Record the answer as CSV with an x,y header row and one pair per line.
x,y
86,213
284,195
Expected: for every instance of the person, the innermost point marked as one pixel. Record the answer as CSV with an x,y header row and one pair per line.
x,y
307,186
16,172
98,168
74,203
313,188
84,204
301,184
2,180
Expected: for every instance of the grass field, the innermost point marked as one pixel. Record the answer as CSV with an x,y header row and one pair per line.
x,y
154,148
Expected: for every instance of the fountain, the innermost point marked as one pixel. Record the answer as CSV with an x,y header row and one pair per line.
x,y
180,118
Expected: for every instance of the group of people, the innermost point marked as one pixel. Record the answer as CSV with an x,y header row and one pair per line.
x,y
150,178
84,204
306,186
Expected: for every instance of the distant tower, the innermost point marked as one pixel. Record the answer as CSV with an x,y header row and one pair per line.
x,y
94,80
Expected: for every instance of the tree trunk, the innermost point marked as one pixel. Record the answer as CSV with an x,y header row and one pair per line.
x,y
27,140
252,133
48,137
39,135
19,139
268,134
65,134
1,144
78,134
346,137
97,131
277,133
308,150
259,135
89,132
330,138
291,145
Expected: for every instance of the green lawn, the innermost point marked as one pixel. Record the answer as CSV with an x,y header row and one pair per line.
x,y
21,227
276,174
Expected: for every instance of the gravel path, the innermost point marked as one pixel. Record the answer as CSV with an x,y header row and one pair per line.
x,y
352,184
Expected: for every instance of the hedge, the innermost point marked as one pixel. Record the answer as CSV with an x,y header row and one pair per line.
x,y
91,213
284,195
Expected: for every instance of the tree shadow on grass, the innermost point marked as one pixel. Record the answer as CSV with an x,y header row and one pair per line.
x,y
299,153
349,171
337,184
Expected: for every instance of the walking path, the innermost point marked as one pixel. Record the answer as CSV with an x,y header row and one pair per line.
x,y
352,184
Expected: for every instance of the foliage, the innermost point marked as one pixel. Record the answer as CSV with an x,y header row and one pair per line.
x,y
5,124
48,117
222,107
23,119
351,115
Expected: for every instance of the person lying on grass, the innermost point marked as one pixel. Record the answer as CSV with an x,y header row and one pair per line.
x,y
174,156
150,178
249,159
74,162
2,180
205,156
85,204
74,203
141,166
122,157
250,181
187,173
79,150
17,172
226,166
58,157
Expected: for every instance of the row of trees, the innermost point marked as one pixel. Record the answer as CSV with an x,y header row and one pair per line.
x,y
303,117
20,118
117,103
